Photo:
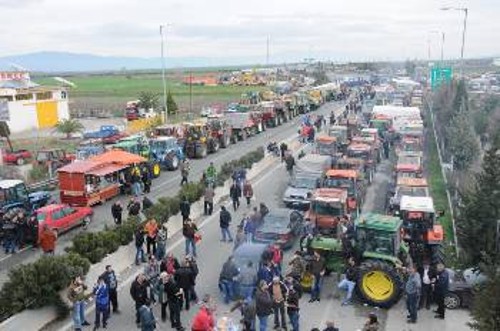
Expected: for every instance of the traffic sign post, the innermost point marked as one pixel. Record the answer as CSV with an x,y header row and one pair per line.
x,y
440,75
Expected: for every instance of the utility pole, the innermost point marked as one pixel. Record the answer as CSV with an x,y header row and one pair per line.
x,y
190,93
462,49
164,79
267,51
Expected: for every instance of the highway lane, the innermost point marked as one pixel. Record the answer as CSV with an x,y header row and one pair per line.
x,y
212,253
168,184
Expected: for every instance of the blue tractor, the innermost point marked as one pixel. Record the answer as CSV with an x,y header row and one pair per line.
x,y
167,152
14,194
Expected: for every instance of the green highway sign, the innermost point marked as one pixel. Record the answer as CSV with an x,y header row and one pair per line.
x,y
440,75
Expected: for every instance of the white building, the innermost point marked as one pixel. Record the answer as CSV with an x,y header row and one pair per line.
x,y
25,105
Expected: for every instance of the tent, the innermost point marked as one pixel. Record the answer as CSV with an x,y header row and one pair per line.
x,y
118,157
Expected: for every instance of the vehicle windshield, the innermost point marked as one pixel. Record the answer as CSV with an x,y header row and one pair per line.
x,y
332,182
376,241
158,144
412,191
407,159
327,208
407,174
42,156
304,182
365,155
325,148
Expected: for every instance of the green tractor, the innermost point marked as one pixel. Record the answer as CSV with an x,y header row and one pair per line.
x,y
381,252
139,145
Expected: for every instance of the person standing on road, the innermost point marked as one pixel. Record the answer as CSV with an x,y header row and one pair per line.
x,y
283,150
161,242
264,304
184,277
297,265
134,207
101,294
151,229
162,295
290,164
152,273
239,237
147,318
441,289
77,296
228,276
111,281
427,273
139,293
235,194
189,230
278,292
208,200
225,221
204,319
349,282
317,269
191,262
185,208
174,295
139,246
169,264
413,288
185,168
117,212
47,240
248,191
292,307
247,280
146,180
248,312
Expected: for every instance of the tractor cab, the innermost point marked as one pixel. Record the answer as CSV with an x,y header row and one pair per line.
x,y
326,145
413,187
419,220
14,194
167,151
136,144
340,134
409,165
381,122
327,206
370,132
410,144
357,164
350,181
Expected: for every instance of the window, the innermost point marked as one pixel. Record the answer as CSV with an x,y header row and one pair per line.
x,y
68,210
21,192
27,96
44,95
40,217
64,94
58,214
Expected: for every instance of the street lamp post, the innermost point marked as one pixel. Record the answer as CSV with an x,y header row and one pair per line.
x,y
164,79
441,33
466,13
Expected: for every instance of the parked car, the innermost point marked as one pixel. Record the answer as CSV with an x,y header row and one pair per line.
x,y
461,288
280,226
18,157
299,190
62,217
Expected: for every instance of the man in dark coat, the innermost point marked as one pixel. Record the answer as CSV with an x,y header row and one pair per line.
x,y
175,296
185,208
441,289
139,293
116,212
235,194
184,277
225,220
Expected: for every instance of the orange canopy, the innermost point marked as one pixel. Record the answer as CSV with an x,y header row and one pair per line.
x,y
118,157
342,173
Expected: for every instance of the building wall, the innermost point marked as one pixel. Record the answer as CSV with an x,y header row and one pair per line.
x,y
23,116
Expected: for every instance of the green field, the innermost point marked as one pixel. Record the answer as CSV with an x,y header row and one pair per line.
x,y
110,92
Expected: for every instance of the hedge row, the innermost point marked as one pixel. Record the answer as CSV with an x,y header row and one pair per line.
x,y
37,284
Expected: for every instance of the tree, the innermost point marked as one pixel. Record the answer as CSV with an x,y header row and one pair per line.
x,y
69,127
462,141
5,133
486,309
149,100
480,211
171,104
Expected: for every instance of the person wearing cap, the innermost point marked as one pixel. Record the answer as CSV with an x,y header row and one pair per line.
x,y
264,304
101,295
278,292
204,320
111,281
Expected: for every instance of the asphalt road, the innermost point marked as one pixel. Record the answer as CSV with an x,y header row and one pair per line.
x,y
166,185
269,187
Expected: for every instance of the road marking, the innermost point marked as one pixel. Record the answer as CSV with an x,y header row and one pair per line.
x,y
18,252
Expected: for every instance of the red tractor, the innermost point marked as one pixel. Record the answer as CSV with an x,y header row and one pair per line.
x,y
220,129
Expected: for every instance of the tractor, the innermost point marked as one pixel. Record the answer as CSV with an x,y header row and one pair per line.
x,y
139,145
366,153
340,133
414,187
327,206
53,159
421,229
199,141
220,129
348,180
409,164
167,151
326,145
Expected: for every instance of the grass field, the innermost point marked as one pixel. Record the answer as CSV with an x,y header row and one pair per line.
x,y
110,92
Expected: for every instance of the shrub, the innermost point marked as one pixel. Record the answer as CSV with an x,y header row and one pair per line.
x,y
37,284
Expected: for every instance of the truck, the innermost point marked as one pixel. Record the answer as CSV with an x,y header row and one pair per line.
x,y
244,122
109,134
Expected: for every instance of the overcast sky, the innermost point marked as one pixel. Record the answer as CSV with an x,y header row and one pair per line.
x,y
322,29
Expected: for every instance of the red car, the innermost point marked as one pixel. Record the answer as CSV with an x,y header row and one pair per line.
x,y
16,157
62,218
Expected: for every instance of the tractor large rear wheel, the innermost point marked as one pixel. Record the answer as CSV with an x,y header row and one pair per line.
x,y
379,284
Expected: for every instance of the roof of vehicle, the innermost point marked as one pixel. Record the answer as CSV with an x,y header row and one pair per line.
x,y
324,138
379,222
415,182
163,138
326,243
351,161
118,157
49,208
422,204
356,146
338,127
363,140
8,183
250,249
330,194
80,167
370,130
343,173
278,213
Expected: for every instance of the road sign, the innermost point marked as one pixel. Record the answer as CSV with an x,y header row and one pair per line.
x,y
440,75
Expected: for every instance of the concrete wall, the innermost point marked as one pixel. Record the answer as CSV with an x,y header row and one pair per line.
x,y
23,116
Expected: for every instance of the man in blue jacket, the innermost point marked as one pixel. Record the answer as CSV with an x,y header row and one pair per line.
x,y
101,295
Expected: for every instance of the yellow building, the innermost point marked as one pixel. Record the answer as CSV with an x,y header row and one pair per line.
x,y
25,105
